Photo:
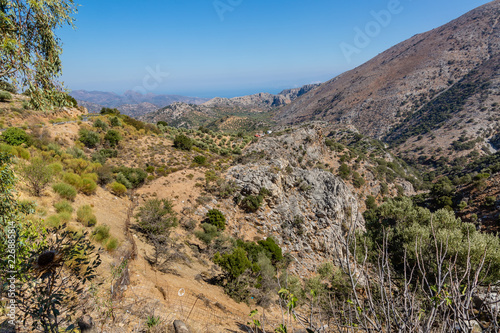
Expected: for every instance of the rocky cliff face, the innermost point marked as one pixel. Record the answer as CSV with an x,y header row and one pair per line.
x,y
293,94
308,210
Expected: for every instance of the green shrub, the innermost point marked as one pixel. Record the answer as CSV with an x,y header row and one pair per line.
x,y
264,192
7,86
200,160
252,203
117,189
78,165
71,100
100,124
344,171
76,152
88,186
113,137
85,215
384,188
37,175
208,234
102,155
109,111
22,153
55,148
5,96
112,244
134,176
120,178
490,201
357,180
235,263
72,179
407,224
182,142
56,168
63,206
334,146
5,148
53,221
138,125
65,217
115,122
89,138
64,190
100,233
92,176
272,249
15,136
216,218
156,217
370,202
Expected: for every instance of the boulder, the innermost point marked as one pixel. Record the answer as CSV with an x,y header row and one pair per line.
x,y
180,327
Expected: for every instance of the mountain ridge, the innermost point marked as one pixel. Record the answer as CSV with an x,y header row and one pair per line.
x,y
382,92
218,109
95,100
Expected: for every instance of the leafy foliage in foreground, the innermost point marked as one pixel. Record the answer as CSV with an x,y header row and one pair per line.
x,y
30,50
51,266
407,225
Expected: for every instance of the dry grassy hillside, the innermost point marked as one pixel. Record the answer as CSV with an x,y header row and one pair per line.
x,y
105,168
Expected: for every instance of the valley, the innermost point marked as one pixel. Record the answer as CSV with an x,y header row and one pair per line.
x,y
368,203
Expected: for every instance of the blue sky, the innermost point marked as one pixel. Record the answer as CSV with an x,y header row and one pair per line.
x,y
228,48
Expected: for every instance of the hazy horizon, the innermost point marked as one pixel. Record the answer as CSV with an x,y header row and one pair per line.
x,y
228,48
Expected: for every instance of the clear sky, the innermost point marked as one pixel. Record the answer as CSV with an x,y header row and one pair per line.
x,y
228,48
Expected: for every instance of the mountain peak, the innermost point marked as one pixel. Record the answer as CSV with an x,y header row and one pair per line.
x,y
384,91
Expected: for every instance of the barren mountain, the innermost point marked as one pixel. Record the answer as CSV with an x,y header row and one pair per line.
x,y
405,80
217,110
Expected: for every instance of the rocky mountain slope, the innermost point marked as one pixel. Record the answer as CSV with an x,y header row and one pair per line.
x,y
219,111
262,101
403,82
306,210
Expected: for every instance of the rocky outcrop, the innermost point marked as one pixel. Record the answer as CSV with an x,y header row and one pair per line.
x,y
177,114
308,211
262,101
295,93
180,327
